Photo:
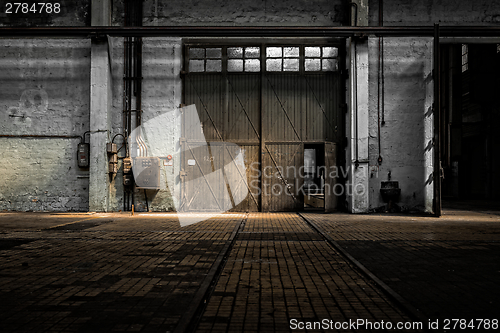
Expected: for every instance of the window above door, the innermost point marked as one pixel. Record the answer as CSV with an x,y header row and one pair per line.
x,y
269,58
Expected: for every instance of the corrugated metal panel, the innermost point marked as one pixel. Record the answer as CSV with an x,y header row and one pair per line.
x,y
330,177
243,93
283,107
203,187
245,185
207,93
282,178
323,117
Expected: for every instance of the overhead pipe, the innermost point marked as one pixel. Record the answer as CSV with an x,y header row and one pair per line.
x,y
190,31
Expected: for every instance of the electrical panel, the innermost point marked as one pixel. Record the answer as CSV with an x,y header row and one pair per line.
x,y
83,155
147,172
127,171
111,148
112,151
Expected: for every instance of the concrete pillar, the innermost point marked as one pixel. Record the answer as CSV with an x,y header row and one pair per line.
x,y
357,128
101,13
100,106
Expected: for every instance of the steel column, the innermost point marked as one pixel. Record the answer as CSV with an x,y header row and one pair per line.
x,y
437,124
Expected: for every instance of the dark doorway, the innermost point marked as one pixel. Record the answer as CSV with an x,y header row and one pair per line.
x,y
470,132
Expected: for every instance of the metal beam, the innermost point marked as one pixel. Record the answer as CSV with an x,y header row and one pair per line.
x,y
437,122
176,31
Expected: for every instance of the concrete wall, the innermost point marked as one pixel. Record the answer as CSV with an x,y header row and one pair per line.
x,y
161,98
44,90
445,12
72,13
406,137
229,13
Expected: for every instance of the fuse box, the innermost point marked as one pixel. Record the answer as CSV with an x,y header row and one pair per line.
x,y
83,155
147,172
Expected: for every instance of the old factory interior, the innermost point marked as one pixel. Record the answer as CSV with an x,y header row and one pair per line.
x,y
332,110
256,166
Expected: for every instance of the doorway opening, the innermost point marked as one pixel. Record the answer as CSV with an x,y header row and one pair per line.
x,y
314,176
268,99
470,144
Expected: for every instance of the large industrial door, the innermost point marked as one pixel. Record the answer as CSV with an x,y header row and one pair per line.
x,y
269,101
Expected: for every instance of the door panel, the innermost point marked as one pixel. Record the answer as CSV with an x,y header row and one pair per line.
x,y
282,180
330,176
278,111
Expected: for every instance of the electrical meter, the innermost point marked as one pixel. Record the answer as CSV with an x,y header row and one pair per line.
x,y
83,155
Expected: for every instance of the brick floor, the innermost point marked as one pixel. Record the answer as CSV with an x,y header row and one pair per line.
x,y
447,267
118,273
281,269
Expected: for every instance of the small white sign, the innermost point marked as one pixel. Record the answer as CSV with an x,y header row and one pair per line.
x,y
191,162
168,163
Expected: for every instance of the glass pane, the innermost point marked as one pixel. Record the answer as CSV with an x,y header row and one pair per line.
x,y
291,65
290,52
252,65
214,53
330,52
197,53
196,65
252,52
273,65
235,52
214,65
313,52
312,65
273,52
235,65
329,65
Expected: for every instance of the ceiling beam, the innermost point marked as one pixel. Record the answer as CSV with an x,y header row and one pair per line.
x,y
177,31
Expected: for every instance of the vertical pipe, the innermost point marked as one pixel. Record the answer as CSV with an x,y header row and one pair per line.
x,y
437,125
261,125
382,75
355,90
380,83
378,101
380,13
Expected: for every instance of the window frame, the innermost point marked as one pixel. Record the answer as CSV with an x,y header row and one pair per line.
x,y
263,45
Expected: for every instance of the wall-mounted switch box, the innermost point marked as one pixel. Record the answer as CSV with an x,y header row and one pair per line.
x,y
127,180
147,172
111,148
127,165
113,158
112,167
83,155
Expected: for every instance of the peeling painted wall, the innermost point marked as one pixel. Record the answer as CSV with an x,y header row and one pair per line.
x,y
406,137
44,90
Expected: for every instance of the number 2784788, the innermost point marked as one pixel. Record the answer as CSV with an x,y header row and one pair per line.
x,y
34,8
